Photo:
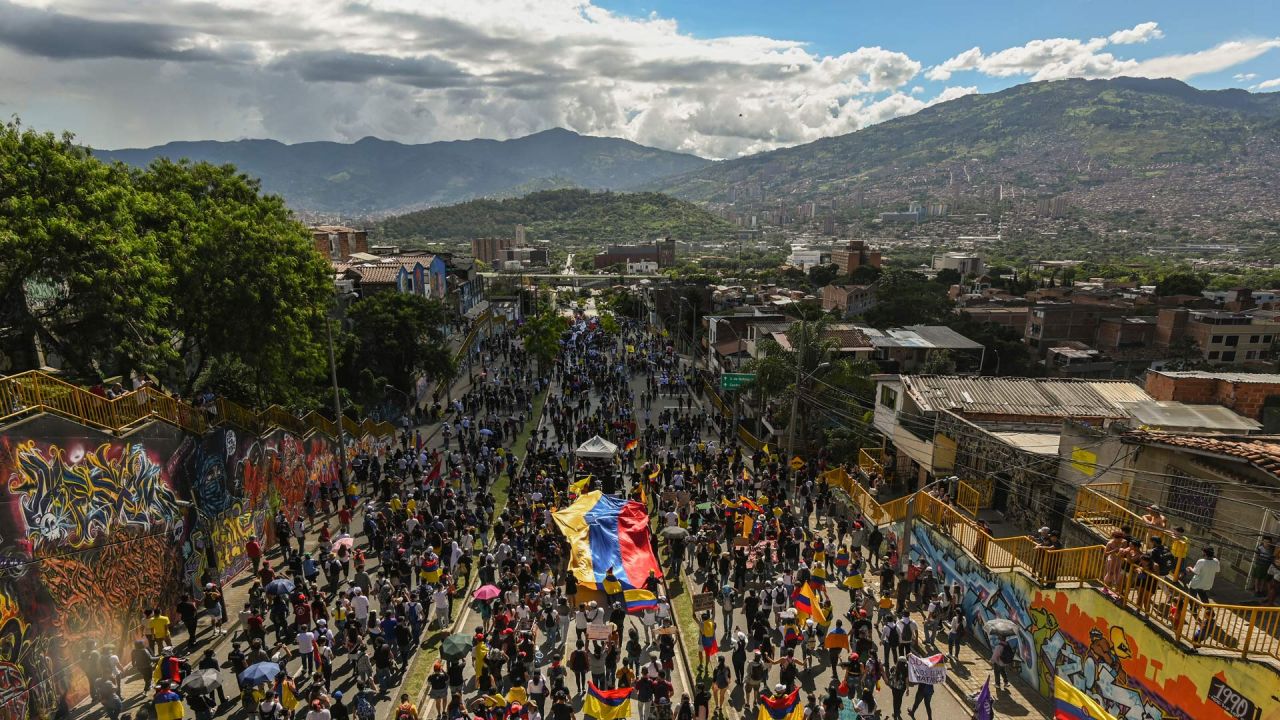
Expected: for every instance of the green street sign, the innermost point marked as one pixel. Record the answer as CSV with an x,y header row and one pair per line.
x,y
733,381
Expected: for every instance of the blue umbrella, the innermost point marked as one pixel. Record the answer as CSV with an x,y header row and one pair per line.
x,y
279,586
263,672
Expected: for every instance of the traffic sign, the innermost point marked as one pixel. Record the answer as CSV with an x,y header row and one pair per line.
x,y
733,381
796,463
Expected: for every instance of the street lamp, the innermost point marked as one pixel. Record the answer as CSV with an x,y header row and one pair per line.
x,y
795,402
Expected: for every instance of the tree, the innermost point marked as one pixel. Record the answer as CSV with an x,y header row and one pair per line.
x,y
823,275
948,277
75,274
908,298
236,254
400,337
541,335
1180,283
1006,353
1185,354
938,362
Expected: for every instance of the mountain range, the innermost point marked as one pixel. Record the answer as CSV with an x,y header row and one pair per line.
x,y
373,177
1114,144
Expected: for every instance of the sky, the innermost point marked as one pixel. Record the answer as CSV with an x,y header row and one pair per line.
x,y
718,78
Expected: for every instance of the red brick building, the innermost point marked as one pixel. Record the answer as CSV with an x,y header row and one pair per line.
x,y
854,255
1254,395
339,243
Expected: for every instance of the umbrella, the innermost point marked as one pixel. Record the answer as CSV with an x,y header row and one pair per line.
x,y
344,540
486,431
456,647
279,586
1000,627
674,532
202,681
486,592
263,672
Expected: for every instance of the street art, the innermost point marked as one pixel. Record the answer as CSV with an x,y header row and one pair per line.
x,y
71,497
1133,671
96,529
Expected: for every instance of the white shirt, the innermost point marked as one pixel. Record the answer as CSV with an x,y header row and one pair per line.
x,y
1205,571
305,642
360,604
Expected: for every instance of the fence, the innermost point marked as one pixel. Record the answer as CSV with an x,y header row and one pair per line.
x,y
1249,631
871,461
34,391
1104,516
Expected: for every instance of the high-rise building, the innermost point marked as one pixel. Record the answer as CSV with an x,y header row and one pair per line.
x,y
491,249
854,255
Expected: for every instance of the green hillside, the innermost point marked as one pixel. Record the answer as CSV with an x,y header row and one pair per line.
x,y
569,216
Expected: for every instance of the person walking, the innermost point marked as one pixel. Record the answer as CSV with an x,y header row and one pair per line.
x,y
1001,657
1203,573
897,682
924,695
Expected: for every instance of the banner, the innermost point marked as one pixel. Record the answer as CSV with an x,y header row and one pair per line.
x,y
926,671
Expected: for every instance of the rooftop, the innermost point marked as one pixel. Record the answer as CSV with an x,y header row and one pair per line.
x,y
1263,452
333,229
1231,377
1043,397
1176,415
938,337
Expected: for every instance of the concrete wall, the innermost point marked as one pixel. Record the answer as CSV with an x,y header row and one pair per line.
x,y
1134,671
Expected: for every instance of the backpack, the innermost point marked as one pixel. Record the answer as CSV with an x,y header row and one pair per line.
x,y
908,632
893,635
364,708
1006,653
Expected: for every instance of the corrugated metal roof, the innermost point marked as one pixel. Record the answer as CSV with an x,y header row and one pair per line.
x,y
1045,397
1234,377
1173,414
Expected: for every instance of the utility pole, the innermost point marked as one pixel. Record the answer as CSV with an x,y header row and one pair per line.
x,y
337,406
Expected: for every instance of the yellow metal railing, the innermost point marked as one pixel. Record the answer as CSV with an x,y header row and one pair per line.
x,y
968,498
1104,516
871,461
1248,630
34,391
751,440
1112,489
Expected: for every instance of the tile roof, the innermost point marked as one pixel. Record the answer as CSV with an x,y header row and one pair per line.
x,y
1259,451
377,274
1036,397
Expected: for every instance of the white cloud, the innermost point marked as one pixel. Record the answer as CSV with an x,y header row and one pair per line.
x,y
148,71
1140,33
1268,84
1215,59
1059,58
1244,77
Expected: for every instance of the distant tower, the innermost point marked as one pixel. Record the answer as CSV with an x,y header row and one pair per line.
x,y
519,235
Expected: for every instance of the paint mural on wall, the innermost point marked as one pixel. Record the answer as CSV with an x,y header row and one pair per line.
x,y
93,532
1135,672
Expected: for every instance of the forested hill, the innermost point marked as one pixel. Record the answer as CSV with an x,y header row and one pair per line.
x,y
561,215
377,177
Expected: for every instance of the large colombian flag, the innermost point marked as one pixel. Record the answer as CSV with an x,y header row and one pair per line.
x,y
605,532
606,704
1072,704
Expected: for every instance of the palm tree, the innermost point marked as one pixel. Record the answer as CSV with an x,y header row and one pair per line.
x,y
541,336
777,368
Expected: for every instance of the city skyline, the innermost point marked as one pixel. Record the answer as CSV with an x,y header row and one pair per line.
x,y
707,78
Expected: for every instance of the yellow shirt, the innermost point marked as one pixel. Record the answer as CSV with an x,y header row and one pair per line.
x,y
412,506
396,504
886,603
159,627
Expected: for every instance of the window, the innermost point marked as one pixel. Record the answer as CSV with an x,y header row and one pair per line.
x,y
1213,354
1216,339
1233,340
889,397
1251,355
1253,339
1266,339
1229,356
1191,498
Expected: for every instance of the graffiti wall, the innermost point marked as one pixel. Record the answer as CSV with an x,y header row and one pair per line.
x,y
97,529
1134,671
93,531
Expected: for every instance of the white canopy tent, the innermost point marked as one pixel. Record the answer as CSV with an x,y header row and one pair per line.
x,y
597,447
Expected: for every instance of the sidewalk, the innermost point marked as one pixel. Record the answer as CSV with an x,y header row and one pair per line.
x,y
967,673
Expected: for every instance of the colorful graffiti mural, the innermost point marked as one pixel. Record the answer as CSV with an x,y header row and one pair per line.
x,y
95,530
1135,672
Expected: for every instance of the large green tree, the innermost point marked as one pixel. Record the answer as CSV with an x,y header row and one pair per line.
x,y
401,337
541,333
75,273
904,297
251,289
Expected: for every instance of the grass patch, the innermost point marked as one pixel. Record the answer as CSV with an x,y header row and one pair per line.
x,y
415,677
688,622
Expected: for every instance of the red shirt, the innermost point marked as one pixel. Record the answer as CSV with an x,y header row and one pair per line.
x,y
253,549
